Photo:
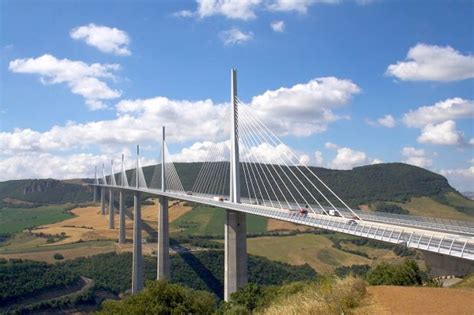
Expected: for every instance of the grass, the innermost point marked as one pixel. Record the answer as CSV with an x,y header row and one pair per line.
x,y
315,250
13,220
459,201
209,221
427,207
466,283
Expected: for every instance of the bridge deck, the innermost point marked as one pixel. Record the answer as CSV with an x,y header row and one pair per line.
x,y
429,236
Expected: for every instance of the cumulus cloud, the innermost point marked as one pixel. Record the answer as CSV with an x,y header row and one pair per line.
x,y
433,63
300,6
278,26
461,178
416,157
106,39
46,165
307,108
449,109
443,133
82,79
386,121
184,13
347,159
233,9
234,36
318,158
437,121
204,151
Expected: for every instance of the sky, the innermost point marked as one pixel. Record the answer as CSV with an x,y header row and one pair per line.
x,y
343,83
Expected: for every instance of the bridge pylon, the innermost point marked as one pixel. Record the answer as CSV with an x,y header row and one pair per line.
x,y
122,237
235,231
137,263
163,255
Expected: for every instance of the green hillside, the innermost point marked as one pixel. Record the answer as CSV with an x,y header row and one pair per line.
x,y
395,182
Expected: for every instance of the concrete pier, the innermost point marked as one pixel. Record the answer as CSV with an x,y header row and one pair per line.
x,y
137,264
163,257
235,259
102,201
94,191
441,265
122,237
111,209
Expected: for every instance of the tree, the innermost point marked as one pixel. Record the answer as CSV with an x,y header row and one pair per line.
x,y
162,297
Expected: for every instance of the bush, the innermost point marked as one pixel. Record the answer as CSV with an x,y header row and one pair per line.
x,y
391,208
162,297
58,256
406,274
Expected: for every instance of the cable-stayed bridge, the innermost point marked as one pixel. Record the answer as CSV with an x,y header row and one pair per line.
x,y
254,172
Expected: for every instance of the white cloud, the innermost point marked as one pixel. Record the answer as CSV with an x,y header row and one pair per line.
x,y
330,145
278,26
461,178
139,120
449,109
233,9
300,6
184,13
307,108
433,63
443,133
347,159
386,121
204,151
376,161
235,36
46,165
304,160
106,39
318,158
82,79
416,157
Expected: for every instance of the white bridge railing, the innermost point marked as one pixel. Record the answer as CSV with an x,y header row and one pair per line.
x,y
420,237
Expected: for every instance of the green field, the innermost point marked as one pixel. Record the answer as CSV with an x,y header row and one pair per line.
x,y
13,220
204,220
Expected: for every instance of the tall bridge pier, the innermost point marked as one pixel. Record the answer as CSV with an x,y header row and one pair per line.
x,y
163,250
235,231
102,201
137,263
111,209
121,238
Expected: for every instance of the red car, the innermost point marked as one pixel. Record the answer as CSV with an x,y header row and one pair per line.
x,y
303,211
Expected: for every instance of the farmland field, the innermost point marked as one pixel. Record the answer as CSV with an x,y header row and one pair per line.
x,y
13,220
204,220
315,250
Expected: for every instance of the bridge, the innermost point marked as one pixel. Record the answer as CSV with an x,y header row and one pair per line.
x,y
256,173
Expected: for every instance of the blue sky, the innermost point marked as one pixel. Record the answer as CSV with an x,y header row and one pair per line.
x,y
55,107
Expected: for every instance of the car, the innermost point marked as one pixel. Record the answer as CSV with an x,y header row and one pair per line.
x,y
189,193
218,198
352,222
303,211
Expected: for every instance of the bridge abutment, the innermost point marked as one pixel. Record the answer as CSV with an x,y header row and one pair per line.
x,y
122,237
111,209
235,259
137,264
163,254
441,265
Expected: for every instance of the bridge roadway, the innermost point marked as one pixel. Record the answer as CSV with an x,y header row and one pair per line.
x,y
415,234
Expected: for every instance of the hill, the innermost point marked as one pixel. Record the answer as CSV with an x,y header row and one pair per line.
x,y
389,181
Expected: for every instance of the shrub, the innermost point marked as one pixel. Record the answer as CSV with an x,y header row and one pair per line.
x,y
406,274
58,256
162,297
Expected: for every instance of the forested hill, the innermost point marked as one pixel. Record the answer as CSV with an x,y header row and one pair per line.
x,y
380,182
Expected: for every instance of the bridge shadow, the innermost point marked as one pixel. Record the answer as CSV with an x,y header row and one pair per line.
x,y
145,226
212,283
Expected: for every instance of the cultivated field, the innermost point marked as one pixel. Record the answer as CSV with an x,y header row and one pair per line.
x,y
417,300
315,250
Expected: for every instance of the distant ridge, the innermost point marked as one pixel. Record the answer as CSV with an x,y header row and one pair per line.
x,y
365,184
